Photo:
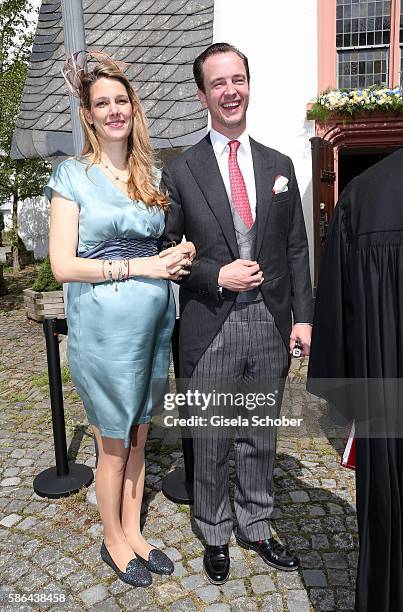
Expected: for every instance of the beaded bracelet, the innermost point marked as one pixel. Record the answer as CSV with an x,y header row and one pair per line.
x,y
125,265
118,276
118,270
110,275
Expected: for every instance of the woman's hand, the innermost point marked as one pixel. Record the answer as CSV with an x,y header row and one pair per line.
x,y
172,266
178,259
187,248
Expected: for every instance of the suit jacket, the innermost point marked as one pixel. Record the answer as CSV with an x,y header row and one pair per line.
x,y
200,210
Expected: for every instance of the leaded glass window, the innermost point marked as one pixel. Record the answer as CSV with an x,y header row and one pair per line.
x,y
362,68
362,42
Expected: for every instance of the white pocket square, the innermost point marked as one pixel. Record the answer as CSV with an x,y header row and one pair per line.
x,y
280,184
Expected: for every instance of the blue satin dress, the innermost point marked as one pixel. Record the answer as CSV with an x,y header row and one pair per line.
x,y
119,340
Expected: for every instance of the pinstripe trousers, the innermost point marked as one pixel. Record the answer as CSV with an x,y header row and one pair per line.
x,y
249,354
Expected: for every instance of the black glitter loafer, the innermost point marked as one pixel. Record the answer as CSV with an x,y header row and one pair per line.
x,y
136,574
157,562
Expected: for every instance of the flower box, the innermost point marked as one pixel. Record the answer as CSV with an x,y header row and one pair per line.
x,y
356,102
41,304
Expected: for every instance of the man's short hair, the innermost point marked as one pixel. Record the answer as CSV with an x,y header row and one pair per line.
x,y
214,49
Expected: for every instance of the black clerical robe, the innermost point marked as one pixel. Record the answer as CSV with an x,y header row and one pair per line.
x,y
358,336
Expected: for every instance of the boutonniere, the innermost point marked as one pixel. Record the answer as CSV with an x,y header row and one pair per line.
x,y
280,184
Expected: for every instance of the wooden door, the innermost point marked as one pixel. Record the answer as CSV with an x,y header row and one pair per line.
x,y
323,178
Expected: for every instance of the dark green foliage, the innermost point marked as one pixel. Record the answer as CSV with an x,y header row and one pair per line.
x,y
19,179
45,280
23,178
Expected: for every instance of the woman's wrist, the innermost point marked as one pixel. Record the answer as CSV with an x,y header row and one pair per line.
x,y
115,270
136,267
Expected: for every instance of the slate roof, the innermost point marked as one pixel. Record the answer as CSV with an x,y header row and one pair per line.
x,y
158,38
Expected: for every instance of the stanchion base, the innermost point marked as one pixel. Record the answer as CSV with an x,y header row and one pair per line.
x,y
49,484
176,488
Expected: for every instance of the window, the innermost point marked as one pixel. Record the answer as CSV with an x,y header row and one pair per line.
x,y
367,44
363,35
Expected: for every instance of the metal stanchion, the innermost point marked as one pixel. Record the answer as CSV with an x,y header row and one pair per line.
x,y
178,484
67,477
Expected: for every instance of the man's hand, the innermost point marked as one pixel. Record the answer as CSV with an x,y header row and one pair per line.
x,y
240,275
301,332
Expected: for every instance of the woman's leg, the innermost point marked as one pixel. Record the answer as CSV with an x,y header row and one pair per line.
x,y
108,486
132,495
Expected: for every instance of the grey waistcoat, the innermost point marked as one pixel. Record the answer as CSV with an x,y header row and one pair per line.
x,y
246,246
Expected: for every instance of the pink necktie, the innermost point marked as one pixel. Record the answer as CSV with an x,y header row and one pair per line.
x,y
239,193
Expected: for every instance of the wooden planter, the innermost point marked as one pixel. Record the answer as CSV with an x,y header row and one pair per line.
x,y
41,304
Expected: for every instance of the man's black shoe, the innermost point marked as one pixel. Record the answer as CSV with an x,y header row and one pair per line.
x,y
272,552
216,563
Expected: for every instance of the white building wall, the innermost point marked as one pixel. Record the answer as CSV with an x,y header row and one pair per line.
x,y
280,41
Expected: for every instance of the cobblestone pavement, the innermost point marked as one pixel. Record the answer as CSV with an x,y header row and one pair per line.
x,y
50,548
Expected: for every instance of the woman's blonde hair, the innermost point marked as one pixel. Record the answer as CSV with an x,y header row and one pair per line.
x,y
141,184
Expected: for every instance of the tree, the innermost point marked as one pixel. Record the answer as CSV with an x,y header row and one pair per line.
x,y
23,178
3,286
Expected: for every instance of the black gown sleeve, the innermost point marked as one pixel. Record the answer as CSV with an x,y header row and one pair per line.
x,y
331,334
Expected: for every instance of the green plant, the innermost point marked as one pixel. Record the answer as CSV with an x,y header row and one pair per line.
x,y
45,280
65,373
42,380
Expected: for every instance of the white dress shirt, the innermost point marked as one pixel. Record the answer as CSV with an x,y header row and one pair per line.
x,y
245,162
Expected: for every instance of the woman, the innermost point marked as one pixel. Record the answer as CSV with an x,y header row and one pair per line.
x,y
106,217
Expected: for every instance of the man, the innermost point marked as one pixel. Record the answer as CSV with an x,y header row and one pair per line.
x,y
238,202
356,363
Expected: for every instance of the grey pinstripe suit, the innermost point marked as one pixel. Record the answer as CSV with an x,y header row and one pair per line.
x,y
230,339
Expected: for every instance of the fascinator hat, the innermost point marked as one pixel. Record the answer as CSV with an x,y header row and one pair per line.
x,y
75,67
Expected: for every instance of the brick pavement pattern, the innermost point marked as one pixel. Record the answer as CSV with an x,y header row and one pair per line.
x,y
49,549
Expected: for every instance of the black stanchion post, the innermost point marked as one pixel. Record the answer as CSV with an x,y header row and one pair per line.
x,y
56,396
178,484
66,478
